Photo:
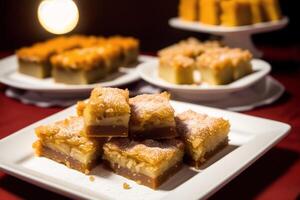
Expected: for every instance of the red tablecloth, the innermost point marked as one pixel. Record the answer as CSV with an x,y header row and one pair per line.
x,y
274,176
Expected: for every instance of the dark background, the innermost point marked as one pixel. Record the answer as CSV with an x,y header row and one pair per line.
x,y
146,20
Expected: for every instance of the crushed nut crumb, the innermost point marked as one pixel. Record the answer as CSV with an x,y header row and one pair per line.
x,y
139,182
126,186
92,178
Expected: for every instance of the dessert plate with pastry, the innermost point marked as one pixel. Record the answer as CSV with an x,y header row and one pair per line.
x,y
196,70
144,147
73,64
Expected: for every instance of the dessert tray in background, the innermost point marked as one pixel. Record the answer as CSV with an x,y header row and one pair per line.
x,y
204,92
245,146
239,36
10,76
234,20
72,65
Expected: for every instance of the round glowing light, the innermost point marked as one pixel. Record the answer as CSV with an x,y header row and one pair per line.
x,y
58,16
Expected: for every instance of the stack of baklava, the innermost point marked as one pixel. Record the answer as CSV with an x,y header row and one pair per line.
x,y
78,59
139,138
218,65
230,12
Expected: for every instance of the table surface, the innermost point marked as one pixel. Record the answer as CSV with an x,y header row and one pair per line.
x,y
276,175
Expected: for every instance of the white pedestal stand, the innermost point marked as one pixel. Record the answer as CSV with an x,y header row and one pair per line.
x,y
232,36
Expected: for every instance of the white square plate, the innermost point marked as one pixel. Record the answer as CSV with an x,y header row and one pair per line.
x,y
250,137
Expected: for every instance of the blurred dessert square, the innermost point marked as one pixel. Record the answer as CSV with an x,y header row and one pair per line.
x,y
106,113
224,65
202,135
176,69
80,66
152,116
35,60
147,162
63,142
129,47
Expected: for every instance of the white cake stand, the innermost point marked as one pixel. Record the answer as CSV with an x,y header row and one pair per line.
x,y
232,36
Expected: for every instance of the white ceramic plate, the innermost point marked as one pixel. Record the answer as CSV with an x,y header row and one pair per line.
x,y
246,145
149,72
9,75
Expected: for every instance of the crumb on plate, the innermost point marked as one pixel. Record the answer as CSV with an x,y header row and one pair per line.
x,y
92,178
126,186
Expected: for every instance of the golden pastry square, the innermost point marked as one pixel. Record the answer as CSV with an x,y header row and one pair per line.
x,y
202,135
106,113
79,66
224,65
63,142
147,162
176,69
152,117
35,60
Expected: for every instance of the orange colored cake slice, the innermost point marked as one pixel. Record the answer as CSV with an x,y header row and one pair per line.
x,y
235,13
188,10
272,10
209,12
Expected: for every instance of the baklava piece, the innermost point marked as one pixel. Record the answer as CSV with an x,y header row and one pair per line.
x,y
203,135
129,47
176,69
222,66
63,142
147,162
106,113
235,13
152,117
